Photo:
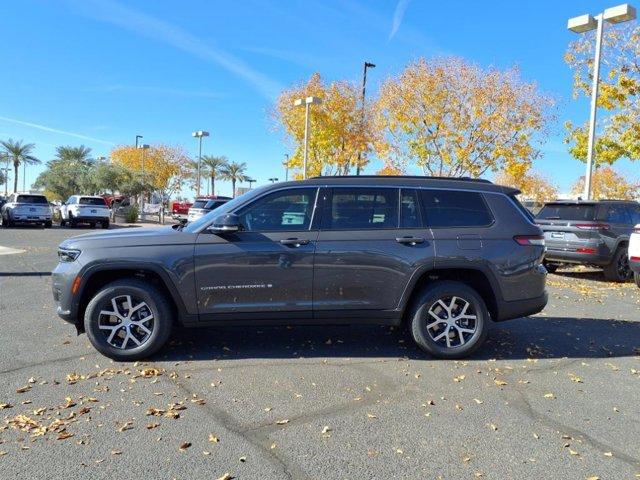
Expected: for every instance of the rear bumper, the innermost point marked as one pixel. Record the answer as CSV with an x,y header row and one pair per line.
x,y
521,308
601,257
30,218
90,218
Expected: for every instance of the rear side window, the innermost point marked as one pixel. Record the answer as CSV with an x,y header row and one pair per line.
x,y
450,208
211,204
39,199
409,210
618,213
635,214
557,211
92,201
199,204
362,208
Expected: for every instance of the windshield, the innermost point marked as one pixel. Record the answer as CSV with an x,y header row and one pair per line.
x,y
92,201
193,227
39,199
568,212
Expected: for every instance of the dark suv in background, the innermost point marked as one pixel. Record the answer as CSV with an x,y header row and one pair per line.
x,y
590,233
445,256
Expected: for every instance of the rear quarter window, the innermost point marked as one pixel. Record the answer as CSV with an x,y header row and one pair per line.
x,y
454,208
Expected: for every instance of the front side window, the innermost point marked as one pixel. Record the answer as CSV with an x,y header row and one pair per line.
x,y
453,208
361,209
287,210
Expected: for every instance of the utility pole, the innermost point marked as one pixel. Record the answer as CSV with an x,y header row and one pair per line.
x,y
364,88
286,167
199,134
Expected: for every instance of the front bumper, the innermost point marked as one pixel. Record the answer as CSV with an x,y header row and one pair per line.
x,y
62,279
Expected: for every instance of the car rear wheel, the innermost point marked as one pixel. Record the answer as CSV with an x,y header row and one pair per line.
x,y
128,320
449,320
551,267
48,224
636,278
105,224
619,270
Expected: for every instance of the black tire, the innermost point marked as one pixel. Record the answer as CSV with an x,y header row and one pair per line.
x,y
551,267
104,224
92,225
48,224
419,315
636,278
157,304
63,223
618,270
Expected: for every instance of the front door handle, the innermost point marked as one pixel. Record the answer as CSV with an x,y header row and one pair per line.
x,y
410,240
294,242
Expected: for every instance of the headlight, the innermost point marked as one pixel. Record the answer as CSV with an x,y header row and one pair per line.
x,y
68,254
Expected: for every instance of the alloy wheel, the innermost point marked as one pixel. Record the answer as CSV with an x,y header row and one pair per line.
x,y
129,324
624,270
452,321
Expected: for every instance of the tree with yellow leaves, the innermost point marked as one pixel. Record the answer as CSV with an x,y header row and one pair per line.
x,y
618,130
165,167
609,184
533,185
337,133
454,118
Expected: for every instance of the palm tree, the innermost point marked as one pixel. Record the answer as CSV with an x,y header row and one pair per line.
x,y
234,172
215,166
79,154
20,154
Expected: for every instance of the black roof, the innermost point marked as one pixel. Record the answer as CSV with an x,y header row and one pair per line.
x,y
458,183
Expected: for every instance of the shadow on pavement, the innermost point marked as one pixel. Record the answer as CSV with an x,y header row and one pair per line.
x,y
532,337
594,275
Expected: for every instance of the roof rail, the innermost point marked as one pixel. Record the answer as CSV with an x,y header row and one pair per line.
x,y
417,177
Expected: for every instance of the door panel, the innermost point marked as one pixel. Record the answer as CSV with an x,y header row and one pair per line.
x,y
369,266
267,266
254,272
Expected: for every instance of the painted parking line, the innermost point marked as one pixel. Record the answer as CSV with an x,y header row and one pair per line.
x,y
9,251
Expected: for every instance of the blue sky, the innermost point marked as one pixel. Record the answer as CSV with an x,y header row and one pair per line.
x,y
98,72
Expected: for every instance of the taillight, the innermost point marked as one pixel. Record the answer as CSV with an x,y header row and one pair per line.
x,y
592,226
586,250
635,259
636,229
529,239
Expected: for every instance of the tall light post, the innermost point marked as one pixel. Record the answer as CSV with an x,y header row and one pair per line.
x,y
144,147
199,134
251,181
138,137
273,179
306,102
585,23
364,88
286,167
6,179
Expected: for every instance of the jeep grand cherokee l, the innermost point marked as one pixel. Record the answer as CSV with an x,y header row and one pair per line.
x,y
590,233
26,208
444,256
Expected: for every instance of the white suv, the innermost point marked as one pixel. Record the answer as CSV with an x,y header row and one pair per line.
x,y
634,253
26,208
84,209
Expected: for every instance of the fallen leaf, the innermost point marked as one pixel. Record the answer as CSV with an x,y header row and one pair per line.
x,y
226,476
549,395
479,402
213,438
500,383
151,426
326,429
282,422
184,446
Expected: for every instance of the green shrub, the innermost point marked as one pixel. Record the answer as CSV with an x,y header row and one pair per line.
x,y
131,215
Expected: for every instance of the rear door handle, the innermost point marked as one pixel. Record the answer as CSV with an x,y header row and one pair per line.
x,y
410,240
294,242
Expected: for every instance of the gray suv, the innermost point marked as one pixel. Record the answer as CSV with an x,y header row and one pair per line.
x,y
444,256
590,233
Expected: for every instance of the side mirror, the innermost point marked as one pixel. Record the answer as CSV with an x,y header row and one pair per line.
x,y
227,223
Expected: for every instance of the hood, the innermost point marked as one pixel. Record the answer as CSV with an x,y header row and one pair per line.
x,y
130,237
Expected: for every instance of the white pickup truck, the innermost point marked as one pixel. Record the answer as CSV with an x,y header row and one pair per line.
x,y
634,253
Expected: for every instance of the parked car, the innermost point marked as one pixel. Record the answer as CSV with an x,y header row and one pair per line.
x,y
84,209
204,205
180,210
3,200
26,208
589,233
444,256
634,254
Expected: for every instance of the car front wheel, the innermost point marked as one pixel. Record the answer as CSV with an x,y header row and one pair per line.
x,y
449,320
128,320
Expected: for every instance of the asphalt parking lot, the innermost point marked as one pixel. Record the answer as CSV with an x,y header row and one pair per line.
x,y
550,396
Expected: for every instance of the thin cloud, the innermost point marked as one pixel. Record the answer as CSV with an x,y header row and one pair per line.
x,y
138,89
398,16
44,128
170,34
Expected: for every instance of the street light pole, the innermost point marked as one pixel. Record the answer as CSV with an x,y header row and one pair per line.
x,y
142,147
138,137
585,23
273,179
24,177
364,87
286,167
251,181
306,102
199,134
